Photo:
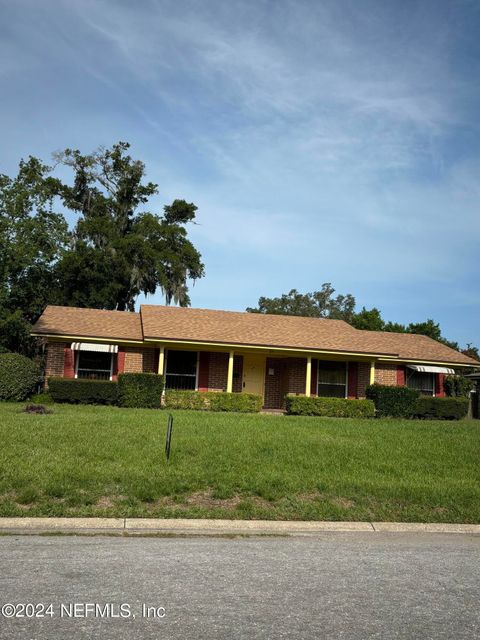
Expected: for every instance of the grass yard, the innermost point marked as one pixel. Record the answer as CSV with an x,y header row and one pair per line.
x,y
103,461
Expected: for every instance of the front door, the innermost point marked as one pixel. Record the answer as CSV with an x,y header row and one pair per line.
x,y
253,374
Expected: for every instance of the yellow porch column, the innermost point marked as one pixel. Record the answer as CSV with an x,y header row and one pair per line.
x,y
372,371
308,377
161,361
230,373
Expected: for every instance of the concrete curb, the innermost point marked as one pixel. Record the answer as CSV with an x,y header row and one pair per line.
x,y
172,526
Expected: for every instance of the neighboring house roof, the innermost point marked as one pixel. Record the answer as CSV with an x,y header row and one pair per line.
x,y
171,324
89,323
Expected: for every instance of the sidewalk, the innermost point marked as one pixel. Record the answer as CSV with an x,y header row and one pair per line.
x,y
157,526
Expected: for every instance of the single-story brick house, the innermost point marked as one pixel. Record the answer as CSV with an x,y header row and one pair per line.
x,y
231,351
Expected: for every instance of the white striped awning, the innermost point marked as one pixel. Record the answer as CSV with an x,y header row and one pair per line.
x,y
430,369
92,346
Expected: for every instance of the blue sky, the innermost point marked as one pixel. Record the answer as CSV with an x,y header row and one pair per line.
x,y
325,141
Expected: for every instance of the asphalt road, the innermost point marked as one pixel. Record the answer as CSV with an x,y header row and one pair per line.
x,y
336,585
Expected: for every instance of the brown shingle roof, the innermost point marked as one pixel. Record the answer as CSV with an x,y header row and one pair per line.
x,y
237,328
231,327
234,327
89,323
410,346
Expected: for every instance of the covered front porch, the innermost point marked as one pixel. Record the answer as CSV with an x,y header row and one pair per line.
x,y
270,375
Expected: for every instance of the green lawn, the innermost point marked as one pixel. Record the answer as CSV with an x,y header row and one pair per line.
x,y
104,461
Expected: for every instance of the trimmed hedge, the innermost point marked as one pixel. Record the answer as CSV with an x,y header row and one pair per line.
x,y
19,376
140,390
213,401
329,407
76,391
454,408
395,402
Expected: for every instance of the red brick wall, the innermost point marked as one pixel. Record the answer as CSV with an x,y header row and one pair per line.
x,y
296,375
314,380
218,371
139,359
237,374
203,367
54,360
363,379
275,384
289,377
386,373
401,375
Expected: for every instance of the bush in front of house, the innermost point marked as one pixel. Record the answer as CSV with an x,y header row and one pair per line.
x,y
75,391
19,376
213,401
458,386
185,400
241,402
394,402
140,390
441,408
329,407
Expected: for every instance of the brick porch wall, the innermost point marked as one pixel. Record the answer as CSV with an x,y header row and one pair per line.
x,y
217,371
363,379
296,375
55,360
275,384
237,374
139,360
289,375
386,373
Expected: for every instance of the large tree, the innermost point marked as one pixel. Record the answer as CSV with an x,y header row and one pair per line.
x,y
114,251
319,304
32,239
118,250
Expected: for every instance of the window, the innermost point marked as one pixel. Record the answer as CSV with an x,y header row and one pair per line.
x,y
94,365
181,370
332,379
422,382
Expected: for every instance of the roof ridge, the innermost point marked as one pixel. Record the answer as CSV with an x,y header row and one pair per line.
x,y
243,313
61,306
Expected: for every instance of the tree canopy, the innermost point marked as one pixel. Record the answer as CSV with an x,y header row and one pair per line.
x,y
115,250
318,304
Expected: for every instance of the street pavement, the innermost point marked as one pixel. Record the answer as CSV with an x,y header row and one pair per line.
x,y
335,585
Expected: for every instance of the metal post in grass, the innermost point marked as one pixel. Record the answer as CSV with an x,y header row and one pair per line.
x,y
169,435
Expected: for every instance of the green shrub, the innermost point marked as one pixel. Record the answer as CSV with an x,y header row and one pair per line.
x,y
140,390
241,402
41,398
213,401
185,400
396,402
441,408
83,391
329,407
19,376
458,386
